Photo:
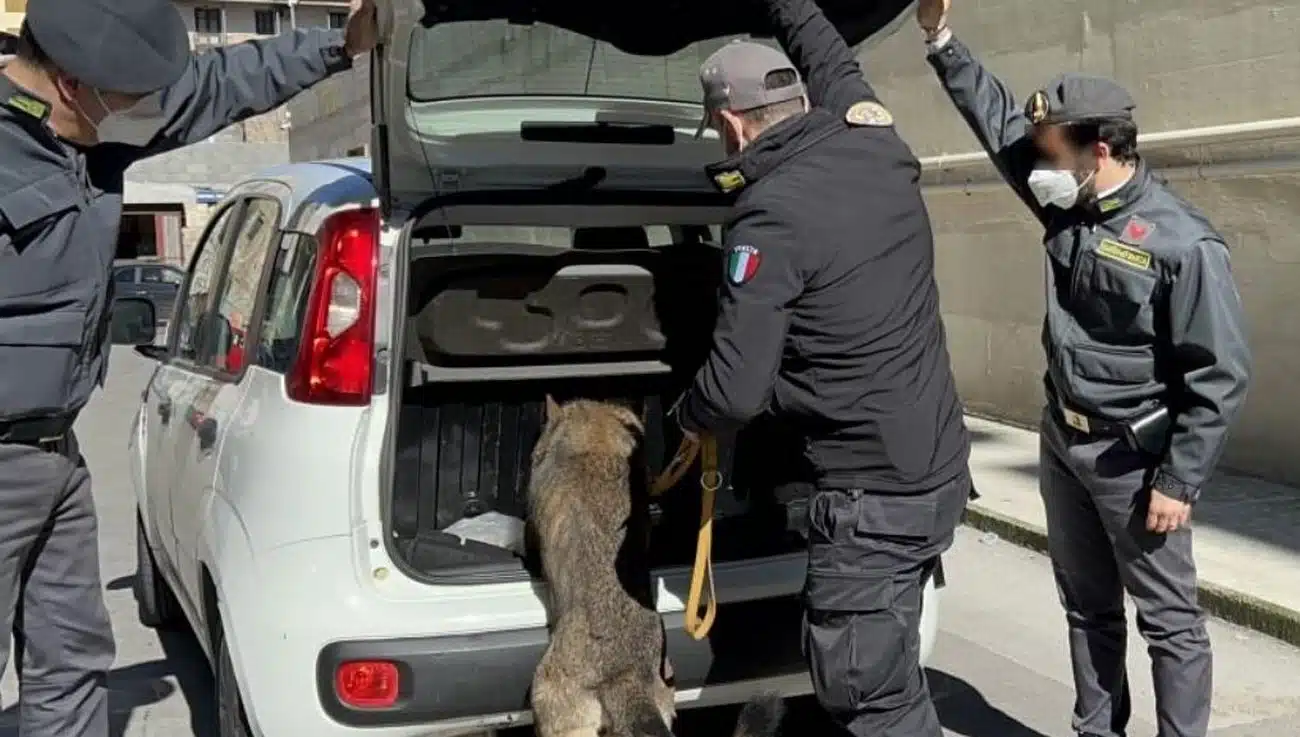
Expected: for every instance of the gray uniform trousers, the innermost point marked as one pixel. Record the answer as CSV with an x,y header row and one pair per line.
x,y
50,592
1095,493
869,555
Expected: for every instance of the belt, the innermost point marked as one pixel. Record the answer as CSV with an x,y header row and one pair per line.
x,y
1087,424
47,434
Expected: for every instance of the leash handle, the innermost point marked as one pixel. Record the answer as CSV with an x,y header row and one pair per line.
x,y
698,624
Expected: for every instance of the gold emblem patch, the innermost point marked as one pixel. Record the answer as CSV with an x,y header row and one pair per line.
x,y
869,113
1107,205
729,181
1127,255
1038,107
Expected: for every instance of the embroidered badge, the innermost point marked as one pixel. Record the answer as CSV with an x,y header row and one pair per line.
x,y
28,105
742,264
1136,230
729,181
869,113
1112,203
1127,255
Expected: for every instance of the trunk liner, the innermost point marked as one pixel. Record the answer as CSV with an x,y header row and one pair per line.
x,y
464,450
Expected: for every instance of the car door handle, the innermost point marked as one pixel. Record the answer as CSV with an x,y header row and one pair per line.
x,y
165,410
207,432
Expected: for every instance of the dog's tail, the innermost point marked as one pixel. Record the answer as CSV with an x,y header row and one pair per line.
x,y
761,717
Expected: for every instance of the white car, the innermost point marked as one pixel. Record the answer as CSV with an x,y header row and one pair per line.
x,y
354,378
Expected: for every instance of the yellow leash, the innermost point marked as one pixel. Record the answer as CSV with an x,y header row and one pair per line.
x,y
706,449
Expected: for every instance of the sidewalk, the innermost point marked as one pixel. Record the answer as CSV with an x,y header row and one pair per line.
x,y
1247,530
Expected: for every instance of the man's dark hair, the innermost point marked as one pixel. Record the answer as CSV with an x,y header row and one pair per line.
x,y
776,112
30,51
1119,134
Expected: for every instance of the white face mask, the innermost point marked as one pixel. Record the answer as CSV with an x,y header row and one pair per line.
x,y
134,126
1056,187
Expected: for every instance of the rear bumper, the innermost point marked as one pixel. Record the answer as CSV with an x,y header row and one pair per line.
x,y
467,676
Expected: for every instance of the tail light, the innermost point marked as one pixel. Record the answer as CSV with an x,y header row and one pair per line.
x,y
336,354
367,684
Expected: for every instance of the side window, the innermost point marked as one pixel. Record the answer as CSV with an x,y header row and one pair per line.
x,y
193,305
254,241
286,302
151,275
125,275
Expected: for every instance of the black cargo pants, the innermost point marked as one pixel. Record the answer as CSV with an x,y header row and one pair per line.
x,y
869,555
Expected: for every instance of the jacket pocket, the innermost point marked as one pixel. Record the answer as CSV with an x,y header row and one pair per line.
x,y
1114,364
40,360
1116,298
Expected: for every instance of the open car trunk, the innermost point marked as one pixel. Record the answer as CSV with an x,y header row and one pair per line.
x,y
560,237
500,315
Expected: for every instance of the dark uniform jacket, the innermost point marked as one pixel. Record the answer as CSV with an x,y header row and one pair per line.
x,y
829,310
60,207
1142,310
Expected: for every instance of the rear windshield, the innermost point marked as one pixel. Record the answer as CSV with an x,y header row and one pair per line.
x,y
496,57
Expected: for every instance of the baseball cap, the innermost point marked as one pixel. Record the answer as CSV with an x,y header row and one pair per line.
x,y
743,75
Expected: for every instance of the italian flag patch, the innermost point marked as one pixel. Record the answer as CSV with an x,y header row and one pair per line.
x,y
742,264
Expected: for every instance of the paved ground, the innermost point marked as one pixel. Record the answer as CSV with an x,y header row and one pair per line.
x,y
997,672
1247,549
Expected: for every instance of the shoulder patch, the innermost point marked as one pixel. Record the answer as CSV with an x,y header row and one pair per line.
x,y
1127,255
742,264
869,113
1136,230
729,181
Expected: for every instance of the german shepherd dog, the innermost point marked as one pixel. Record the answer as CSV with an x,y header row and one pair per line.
x,y
605,671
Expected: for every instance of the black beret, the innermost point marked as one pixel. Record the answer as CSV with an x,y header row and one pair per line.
x,y
1071,98
129,46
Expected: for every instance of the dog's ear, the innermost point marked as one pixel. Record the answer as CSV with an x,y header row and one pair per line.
x,y
552,408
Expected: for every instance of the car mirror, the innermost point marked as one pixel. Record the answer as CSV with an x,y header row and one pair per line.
x,y
133,322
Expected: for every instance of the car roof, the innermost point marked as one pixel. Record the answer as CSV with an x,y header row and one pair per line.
x,y
317,185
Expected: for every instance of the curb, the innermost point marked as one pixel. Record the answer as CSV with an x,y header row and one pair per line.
x,y
1225,603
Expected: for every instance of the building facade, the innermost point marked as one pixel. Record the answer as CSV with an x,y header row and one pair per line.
x,y
169,198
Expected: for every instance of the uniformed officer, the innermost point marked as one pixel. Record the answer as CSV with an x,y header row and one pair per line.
x,y
829,319
1147,365
95,86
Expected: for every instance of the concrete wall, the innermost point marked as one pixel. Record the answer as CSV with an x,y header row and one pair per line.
x,y
1188,64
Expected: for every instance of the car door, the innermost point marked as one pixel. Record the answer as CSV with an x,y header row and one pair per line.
x,y
216,380
173,385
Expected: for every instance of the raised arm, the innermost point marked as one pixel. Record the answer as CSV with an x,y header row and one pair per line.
x,y
227,85
990,110
829,68
1212,361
